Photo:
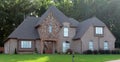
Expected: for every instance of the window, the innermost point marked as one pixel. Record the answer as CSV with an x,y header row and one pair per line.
x,y
105,45
26,44
91,45
98,30
50,28
66,46
66,32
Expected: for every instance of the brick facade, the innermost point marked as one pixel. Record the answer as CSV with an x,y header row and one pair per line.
x,y
36,30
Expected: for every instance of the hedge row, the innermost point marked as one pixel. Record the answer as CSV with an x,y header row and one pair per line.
x,y
102,52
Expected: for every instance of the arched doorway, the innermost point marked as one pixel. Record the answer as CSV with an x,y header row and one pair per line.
x,y
49,47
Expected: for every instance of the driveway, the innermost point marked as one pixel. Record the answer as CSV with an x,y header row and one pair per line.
x,y
114,61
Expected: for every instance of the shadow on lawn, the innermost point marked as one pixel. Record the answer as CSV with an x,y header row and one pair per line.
x,y
41,59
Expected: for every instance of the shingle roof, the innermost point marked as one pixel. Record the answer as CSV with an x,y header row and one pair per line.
x,y
84,26
57,14
74,22
26,29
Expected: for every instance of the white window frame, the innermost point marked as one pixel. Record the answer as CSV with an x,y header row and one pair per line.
x,y
66,32
66,46
50,28
26,44
106,45
99,30
91,45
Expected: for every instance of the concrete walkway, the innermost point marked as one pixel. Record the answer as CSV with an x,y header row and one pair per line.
x,y
114,61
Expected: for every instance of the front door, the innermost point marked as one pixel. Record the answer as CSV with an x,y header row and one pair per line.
x,y
48,47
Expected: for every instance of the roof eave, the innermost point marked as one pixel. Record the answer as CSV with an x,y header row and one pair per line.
x,y
76,38
8,39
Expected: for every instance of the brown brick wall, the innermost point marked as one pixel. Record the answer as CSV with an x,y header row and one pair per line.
x,y
10,46
89,35
71,34
76,46
37,44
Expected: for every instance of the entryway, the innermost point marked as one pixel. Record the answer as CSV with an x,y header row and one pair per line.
x,y
49,47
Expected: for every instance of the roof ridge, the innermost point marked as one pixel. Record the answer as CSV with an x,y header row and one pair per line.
x,y
56,13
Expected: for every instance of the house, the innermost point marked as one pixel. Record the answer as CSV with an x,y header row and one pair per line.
x,y
55,32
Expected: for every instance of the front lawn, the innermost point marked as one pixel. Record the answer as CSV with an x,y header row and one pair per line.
x,y
56,58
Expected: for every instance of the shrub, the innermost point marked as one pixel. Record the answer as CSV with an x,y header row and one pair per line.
x,y
88,52
44,51
115,52
15,51
95,52
1,52
104,52
69,51
36,50
107,51
56,51
99,52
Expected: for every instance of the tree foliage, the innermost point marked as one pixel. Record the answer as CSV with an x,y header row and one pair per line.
x,y
12,12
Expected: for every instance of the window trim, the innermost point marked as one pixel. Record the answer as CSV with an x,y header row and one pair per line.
x,y
106,47
102,31
24,46
65,46
65,33
92,45
26,49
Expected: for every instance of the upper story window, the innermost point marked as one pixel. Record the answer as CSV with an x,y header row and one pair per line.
x,y
65,32
50,28
99,30
91,45
105,45
26,44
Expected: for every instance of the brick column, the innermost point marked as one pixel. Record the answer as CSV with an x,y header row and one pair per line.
x,y
42,46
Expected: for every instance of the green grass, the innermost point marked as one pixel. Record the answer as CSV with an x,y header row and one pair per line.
x,y
56,58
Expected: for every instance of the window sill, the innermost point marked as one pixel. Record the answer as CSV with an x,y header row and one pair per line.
x,y
66,36
99,35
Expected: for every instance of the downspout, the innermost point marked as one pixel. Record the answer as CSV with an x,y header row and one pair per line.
x,y
9,47
81,46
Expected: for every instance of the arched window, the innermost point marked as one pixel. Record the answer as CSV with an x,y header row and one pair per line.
x,y
66,46
105,45
91,45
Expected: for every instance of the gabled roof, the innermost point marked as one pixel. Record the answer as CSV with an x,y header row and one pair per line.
x,y
74,22
84,26
57,14
26,30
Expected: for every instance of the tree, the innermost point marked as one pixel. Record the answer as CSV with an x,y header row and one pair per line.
x,y
12,12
